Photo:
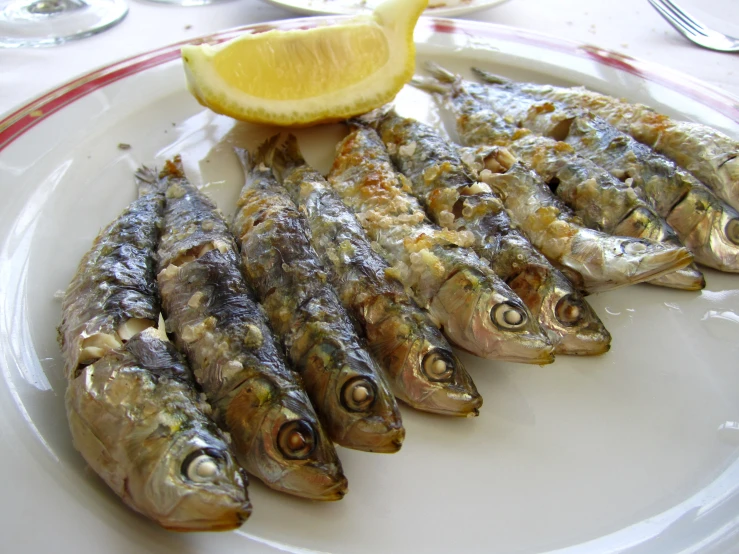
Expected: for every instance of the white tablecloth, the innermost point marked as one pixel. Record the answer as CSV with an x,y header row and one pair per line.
x,y
629,26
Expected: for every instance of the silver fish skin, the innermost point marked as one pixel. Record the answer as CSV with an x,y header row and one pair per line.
x,y
132,407
137,420
215,320
343,381
455,201
707,226
417,360
475,309
710,155
600,200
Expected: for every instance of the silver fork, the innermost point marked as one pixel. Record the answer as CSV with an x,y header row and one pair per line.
x,y
694,30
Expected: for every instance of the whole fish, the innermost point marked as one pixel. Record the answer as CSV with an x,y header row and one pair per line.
x,y
132,407
710,155
343,381
418,362
475,309
707,226
441,182
216,322
600,200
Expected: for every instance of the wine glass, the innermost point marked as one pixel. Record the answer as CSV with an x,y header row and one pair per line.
x,y
53,22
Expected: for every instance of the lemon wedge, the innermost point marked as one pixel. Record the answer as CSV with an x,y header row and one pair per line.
x,y
308,76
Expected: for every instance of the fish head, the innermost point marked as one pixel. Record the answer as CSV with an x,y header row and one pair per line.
x,y
358,409
723,240
279,439
194,485
578,329
484,316
434,380
563,314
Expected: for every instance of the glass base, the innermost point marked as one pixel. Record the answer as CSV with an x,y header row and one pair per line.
x,y
187,3
29,23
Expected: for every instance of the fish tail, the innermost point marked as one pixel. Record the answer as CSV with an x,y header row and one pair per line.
x,y
148,181
430,85
263,155
374,117
441,74
288,156
173,169
491,78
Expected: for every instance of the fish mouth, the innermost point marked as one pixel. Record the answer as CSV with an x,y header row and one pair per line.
x,y
214,514
313,483
375,436
522,350
450,403
584,344
688,278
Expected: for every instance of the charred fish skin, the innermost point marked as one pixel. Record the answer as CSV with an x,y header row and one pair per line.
x,y
475,309
212,313
132,408
710,155
455,201
420,365
113,294
135,416
601,201
341,378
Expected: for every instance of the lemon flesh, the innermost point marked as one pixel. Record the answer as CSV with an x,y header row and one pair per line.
x,y
309,76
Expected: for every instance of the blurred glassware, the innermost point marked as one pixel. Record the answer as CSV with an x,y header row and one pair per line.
x,y
189,2
33,23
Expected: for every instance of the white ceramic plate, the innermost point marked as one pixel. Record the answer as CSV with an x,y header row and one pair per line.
x,y
635,451
437,8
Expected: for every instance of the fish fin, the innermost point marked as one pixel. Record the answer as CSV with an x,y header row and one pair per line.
x,y
173,168
373,117
491,78
441,74
286,157
148,181
263,154
430,85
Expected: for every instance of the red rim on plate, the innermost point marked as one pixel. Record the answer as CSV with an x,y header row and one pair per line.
x,y
21,120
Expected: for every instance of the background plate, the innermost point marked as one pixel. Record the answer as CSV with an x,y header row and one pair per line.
x,y
440,8
635,451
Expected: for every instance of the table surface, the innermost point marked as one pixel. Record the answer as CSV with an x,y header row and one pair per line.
x,y
631,27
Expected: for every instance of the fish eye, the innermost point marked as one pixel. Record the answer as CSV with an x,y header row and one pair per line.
x,y
633,248
508,316
569,310
358,394
201,466
732,230
438,365
296,439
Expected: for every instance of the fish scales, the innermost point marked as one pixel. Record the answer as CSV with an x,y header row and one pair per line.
x,y
132,407
594,261
705,224
710,155
603,202
217,323
418,362
344,382
455,201
476,310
